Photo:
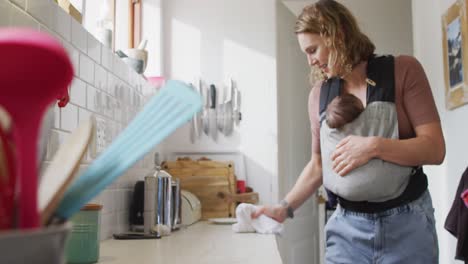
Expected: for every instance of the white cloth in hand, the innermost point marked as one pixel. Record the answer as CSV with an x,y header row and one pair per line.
x,y
263,224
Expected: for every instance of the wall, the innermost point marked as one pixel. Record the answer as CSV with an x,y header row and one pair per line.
x,y
103,86
443,180
215,40
387,23
300,242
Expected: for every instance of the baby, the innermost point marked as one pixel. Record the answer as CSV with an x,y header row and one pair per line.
x,y
377,180
342,110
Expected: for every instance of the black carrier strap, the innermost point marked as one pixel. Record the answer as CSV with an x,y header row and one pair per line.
x,y
381,87
381,84
381,75
330,89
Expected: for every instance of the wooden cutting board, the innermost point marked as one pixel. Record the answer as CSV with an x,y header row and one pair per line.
x,y
205,179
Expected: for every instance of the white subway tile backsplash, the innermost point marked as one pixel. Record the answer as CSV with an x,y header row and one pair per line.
x,y
50,32
78,92
52,144
106,58
106,223
20,3
113,86
69,117
42,10
62,23
94,49
56,116
123,222
86,69
74,55
117,65
20,18
100,78
4,13
108,106
83,115
91,102
79,36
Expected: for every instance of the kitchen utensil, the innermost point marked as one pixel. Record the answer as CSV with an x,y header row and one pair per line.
x,y
136,64
237,105
7,182
195,122
205,178
44,135
220,112
200,113
127,236
164,199
137,206
60,173
206,108
176,204
223,221
41,245
83,244
241,186
34,71
173,106
149,204
156,81
229,111
212,114
138,54
190,208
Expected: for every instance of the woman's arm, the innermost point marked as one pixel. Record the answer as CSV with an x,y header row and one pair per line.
x,y
307,183
428,147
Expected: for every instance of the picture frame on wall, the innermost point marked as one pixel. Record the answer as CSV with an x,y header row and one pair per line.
x,y
455,54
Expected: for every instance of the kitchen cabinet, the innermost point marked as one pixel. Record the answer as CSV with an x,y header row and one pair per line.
x,y
202,242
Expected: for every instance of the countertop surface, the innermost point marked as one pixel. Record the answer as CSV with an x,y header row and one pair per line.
x,y
201,243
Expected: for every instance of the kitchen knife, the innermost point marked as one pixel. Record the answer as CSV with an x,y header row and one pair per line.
x,y
212,114
193,124
206,107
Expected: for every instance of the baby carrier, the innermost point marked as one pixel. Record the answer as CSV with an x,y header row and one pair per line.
x,y
377,185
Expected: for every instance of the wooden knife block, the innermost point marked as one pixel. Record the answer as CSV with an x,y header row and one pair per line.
x,y
205,179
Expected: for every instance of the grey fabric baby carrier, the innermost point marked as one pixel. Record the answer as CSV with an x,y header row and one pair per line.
x,y
377,181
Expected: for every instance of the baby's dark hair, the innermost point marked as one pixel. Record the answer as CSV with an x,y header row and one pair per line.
x,y
342,110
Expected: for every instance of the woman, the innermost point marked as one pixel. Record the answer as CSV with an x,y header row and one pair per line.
x,y
400,229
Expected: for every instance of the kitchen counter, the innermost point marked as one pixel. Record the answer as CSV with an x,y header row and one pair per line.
x,y
200,243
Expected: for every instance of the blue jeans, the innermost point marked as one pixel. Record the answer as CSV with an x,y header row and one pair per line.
x,y
405,234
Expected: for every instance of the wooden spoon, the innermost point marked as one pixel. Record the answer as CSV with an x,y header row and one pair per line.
x,y
60,173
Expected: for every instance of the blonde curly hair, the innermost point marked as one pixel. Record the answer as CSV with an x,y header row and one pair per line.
x,y
335,23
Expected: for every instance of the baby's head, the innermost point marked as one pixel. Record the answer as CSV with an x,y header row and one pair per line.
x,y
342,110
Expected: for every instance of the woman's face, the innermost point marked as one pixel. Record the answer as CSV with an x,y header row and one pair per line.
x,y
313,45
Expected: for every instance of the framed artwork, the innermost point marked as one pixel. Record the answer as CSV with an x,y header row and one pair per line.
x,y
455,54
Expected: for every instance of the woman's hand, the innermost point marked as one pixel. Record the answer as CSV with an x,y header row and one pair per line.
x,y
353,152
277,212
